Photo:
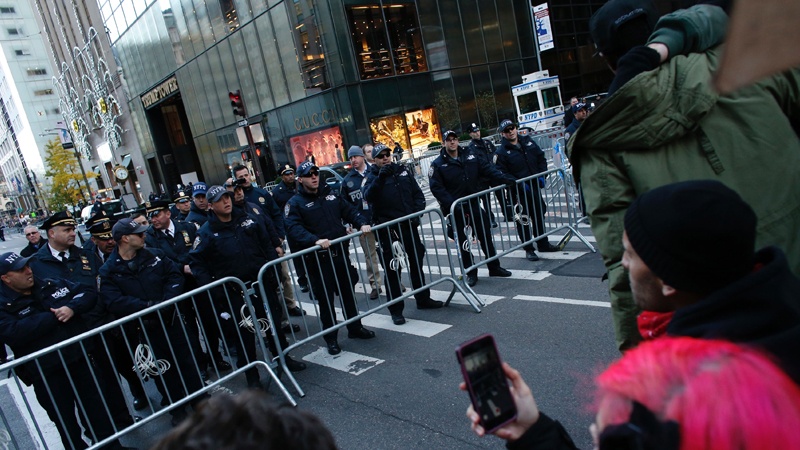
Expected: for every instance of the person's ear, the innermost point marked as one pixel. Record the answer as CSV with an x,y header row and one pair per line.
x,y
667,290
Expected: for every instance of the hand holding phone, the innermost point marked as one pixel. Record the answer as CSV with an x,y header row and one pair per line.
x,y
486,382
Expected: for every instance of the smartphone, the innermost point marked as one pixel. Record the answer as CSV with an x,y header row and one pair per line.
x,y
486,382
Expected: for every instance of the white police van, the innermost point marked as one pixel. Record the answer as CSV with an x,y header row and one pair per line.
x,y
538,101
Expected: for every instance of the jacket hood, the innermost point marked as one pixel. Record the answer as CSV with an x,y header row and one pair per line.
x,y
653,108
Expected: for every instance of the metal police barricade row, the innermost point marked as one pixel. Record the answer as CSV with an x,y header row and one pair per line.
x,y
158,349
534,209
342,270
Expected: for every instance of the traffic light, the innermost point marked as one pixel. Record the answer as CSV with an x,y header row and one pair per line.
x,y
237,103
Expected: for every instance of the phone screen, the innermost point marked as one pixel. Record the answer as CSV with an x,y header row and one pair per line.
x,y
486,382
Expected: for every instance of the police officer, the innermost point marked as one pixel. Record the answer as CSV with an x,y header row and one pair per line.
x,y
457,173
351,191
392,192
580,111
520,157
35,314
198,213
233,244
35,241
484,149
135,278
101,243
61,258
315,216
260,197
183,205
282,192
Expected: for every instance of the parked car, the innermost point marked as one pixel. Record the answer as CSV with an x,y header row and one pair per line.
x,y
334,174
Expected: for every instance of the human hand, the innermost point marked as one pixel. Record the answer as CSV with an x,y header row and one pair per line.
x,y
527,410
366,229
63,314
324,243
187,270
386,171
279,250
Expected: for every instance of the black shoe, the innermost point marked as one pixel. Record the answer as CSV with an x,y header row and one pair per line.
x,y
291,327
547,247
222,365
495,224
361,333
333,348
303,288
499,272
293,365
398,319
429,304
472,280
531,255
139,403
296,312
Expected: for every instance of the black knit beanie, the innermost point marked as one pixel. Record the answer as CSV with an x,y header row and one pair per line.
x,y
697,236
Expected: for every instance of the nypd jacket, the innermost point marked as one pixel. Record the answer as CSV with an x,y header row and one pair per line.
x,y
262,198
521,160
453,178
351,191
281,193
255,213
237,248
311,217
178,246
81,266
196,215
393,196
126,287
28,325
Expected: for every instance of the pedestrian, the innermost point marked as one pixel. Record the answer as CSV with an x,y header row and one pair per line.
x,y
456,173
233,244
644,135
398,152
36,314
198,213
35,241
392,192
135,278
520,157
315,217
351,190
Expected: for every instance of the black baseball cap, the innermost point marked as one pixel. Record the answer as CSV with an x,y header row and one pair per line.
x,y
11,261
608,25
473,127
127,226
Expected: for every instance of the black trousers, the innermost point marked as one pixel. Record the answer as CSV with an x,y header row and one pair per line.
x,y
529,197
473,215
330,272
408,235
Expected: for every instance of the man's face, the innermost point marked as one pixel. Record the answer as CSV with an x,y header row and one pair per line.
x,y
141,220
582,114
184,206
32,235
238,195
62,236
451,143
288,178
134,241
19,280
244,174
573,101
645,285
106,246
358,162
510,133
383,158
161,220
201,202
223,206
368,152
310,181
475,134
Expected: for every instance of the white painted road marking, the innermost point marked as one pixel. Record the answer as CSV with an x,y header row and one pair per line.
x,y
349,362
566,301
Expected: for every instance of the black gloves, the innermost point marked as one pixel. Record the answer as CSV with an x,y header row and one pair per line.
x,y
386,170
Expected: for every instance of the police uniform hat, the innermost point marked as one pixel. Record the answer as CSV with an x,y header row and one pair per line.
x,y
99,225
286,169
506,124
306,168
11,261
153,208
449,133
376,150
216,192
63,218
473,127
180,196
199,188
579,106
125,227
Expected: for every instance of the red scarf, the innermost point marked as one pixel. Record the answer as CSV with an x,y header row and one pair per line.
x,y
653,325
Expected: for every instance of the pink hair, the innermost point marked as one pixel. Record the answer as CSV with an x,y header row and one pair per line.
x,y
722,395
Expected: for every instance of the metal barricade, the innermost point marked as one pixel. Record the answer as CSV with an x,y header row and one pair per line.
x,y
344,268
159,347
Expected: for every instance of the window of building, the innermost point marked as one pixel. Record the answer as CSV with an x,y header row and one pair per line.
x,y
12,31
309,45
22,53
386,39
37,71
43,92
7,10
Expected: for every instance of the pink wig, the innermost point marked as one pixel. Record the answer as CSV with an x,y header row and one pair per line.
x,y
722,395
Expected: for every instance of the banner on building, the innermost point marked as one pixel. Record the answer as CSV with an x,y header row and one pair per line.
x,y
544,31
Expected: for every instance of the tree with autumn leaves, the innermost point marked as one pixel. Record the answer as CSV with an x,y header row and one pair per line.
x,y
66,180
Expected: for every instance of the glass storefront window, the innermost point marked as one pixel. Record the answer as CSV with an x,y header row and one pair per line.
x,y
423,128
309,44
386,39
323,147
388,130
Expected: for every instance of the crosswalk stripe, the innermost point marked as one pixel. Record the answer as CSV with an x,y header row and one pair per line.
x,y
415,327
349,362
566,301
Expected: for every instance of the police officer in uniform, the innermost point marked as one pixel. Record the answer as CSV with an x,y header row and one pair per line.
x,y
36,313
260,197
101,244
198,213
457,173
61,258
392,192
135,278
315,216
351,191
485,149
520,157
183,205
232,243
281,193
